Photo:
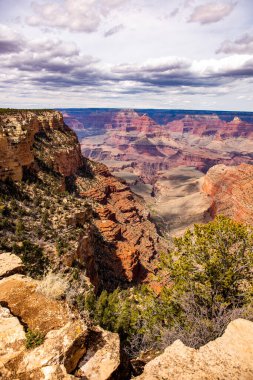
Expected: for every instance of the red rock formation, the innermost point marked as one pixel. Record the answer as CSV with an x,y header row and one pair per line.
x,y
230,189
118,247
123,224
145,148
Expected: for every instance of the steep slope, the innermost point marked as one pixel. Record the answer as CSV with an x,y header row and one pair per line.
x,y
78,210
230,191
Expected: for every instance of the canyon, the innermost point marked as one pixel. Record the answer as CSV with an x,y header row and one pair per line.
x,y
72,231
163,155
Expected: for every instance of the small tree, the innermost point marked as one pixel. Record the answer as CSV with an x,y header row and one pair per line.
x,y
214,264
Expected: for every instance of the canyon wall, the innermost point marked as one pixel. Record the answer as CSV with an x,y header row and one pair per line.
x,y
230,191
119,242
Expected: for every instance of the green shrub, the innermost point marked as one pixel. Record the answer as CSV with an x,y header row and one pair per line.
x,y
32,255
34,339
20,228
210,283
213,263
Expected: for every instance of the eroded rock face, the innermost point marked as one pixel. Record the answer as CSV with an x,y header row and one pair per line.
x,y
144,143
16,139
229,357
122,242
129,241
230,191
17,136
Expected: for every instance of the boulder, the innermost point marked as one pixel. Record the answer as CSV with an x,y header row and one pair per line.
x,y
102,357
10,264
228,357
38,312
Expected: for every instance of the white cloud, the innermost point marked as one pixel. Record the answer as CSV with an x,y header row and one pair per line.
x,y
211,12
73,15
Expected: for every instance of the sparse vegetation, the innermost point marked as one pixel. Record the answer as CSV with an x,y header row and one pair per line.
x,y
33,257
34,339
209,277
53,285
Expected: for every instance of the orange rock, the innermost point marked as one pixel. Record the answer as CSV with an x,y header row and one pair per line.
x,y
230,189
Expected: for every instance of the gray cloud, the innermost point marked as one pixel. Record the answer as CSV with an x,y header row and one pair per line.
x,y
174,12
73,15
211,12
54,64
9,41
243,45
115,29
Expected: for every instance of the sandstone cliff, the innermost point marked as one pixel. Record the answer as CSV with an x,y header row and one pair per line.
x,y
97,221
230,191
17,131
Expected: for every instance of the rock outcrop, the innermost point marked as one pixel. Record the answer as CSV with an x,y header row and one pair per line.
x,y
230,191
128,239
229,357
117,242
16,139
10,264
68,348
17,132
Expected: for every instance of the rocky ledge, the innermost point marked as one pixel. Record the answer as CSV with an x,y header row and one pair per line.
x,y
68,348
229,357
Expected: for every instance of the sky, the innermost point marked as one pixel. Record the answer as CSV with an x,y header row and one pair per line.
x,y
175,54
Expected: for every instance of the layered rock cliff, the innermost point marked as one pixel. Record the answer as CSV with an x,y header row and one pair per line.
x,y
147,148
102,224
17,131
133,141
230,191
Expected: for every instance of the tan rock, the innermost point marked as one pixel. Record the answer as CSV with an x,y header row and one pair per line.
x,y
102,357
35,310
229,357
16,139
67,342
10,264
12,335
64,346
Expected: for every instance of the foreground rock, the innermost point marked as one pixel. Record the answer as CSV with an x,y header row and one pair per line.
x,y
10,264
229,357
230,191
69,348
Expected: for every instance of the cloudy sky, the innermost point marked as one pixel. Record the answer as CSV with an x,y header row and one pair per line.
x,y
187,54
